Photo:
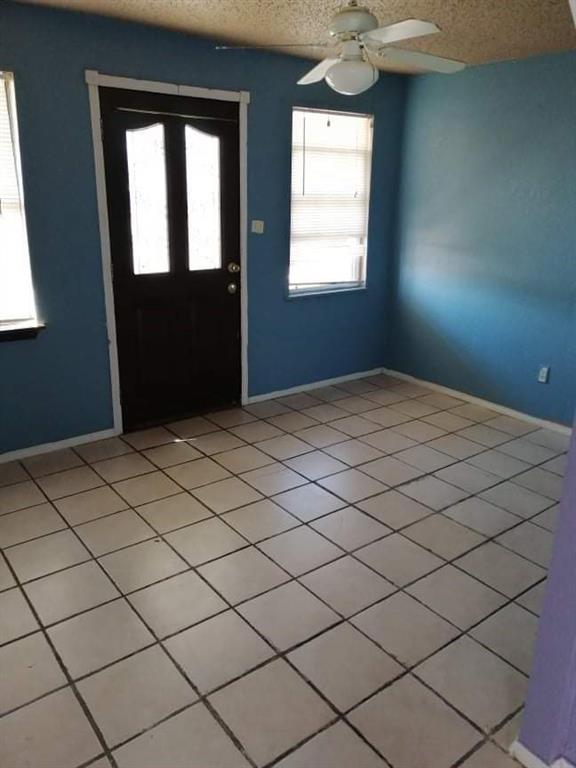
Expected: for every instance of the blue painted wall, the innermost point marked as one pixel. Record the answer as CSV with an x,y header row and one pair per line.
x,y
482,289
487,234
57,385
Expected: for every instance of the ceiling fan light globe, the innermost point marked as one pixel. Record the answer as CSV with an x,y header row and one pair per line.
x,y
351,77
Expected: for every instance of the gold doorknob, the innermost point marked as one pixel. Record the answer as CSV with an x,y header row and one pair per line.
x,y
232,288
233,267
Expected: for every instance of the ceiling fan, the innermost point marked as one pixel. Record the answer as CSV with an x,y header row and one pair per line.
x,y
357,34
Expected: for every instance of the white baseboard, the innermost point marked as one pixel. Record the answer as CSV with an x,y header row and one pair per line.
x,y
544,423
25,453
313,385
529,760
525,757
81,439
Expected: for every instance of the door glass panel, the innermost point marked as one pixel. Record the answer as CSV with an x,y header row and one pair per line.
x,y
203,184
148,199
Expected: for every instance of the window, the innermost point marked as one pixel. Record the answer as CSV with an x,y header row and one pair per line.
x,y
331,159
203,193
17,306
148,199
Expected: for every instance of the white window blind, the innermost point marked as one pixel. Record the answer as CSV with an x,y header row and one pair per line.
x,y
17,306
331,163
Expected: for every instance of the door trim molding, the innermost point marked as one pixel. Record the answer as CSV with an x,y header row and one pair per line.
x,y
94,81
103,225
99,79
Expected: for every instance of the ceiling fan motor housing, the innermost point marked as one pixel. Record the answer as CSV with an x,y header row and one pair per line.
x,y
352,20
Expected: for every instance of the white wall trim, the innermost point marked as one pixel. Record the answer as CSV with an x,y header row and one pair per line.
x,y
406,377
79,440
70,442
105,253
312,385
93,77
525,757
529,759
544,423
94,80
243,157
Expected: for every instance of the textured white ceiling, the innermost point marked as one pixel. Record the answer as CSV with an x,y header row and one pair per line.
x,y
474,31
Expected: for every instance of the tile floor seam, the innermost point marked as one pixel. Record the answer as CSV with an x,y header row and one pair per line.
x,y
447,561
44,695
489,540
341,719
278,654
70,680
345,553
425,474
92,761
204,698
443,510
457,461
191,568
398,487
291,577
452,561
296,410
461,632
407,398
406,670
157,642
489,739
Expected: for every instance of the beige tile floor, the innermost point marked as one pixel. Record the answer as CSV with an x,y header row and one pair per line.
x,y
344,577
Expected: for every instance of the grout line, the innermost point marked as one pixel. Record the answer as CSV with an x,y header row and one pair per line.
x,y
67,675
399,530
291,579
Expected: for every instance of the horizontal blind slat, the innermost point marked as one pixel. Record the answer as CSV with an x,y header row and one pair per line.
x,y
16,293
8,176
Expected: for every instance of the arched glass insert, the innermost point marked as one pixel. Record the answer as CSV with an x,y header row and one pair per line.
x,y
145,148
203,193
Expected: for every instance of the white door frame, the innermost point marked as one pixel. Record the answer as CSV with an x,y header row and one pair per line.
x,y
94,80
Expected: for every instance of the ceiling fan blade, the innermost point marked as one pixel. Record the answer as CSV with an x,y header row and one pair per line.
x,y
400,31
422,61
318,72
271,45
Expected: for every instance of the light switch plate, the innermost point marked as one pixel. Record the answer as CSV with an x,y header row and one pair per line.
x,y
544,374
257,226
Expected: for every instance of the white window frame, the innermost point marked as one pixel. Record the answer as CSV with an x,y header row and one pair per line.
x,y
294,290
30,318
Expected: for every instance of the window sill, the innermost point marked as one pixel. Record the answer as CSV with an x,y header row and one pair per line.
x,y
324,292
20,331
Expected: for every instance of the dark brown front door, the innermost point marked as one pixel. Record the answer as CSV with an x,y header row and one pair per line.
x,y
172,180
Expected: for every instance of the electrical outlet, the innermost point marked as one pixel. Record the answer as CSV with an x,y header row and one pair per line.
x,y
544,374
